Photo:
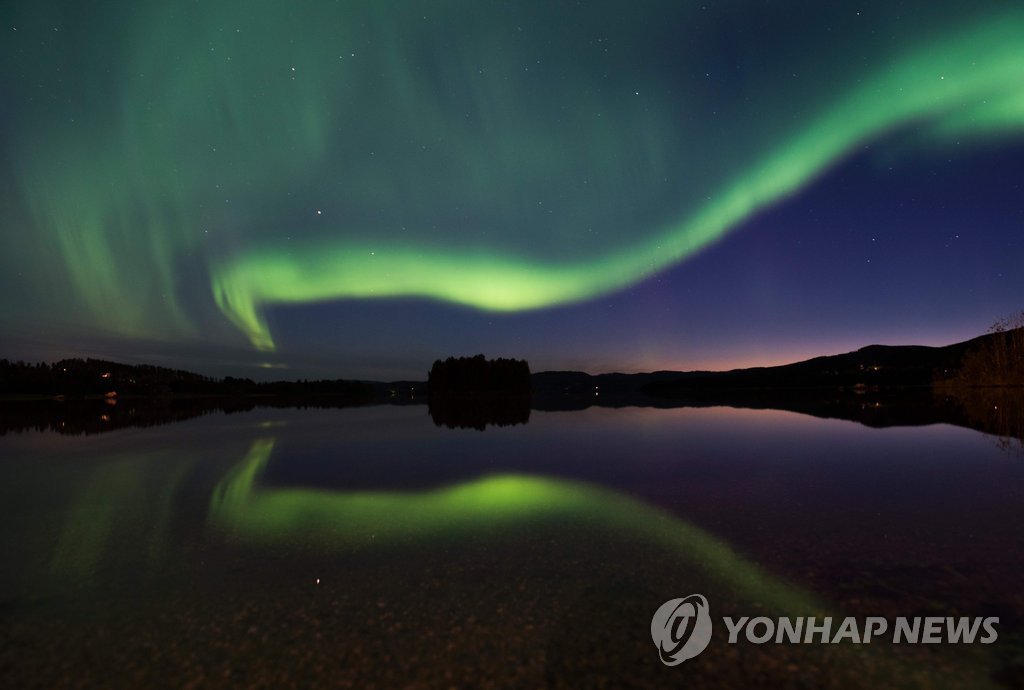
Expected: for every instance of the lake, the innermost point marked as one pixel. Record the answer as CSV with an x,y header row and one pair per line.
x,y
370,547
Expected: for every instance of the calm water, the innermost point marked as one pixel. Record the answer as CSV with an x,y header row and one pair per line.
x,y
367,547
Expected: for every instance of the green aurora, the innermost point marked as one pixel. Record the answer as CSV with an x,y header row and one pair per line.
x,y
180,168
494,506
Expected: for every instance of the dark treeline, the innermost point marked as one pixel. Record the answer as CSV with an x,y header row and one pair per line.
x,y
479,375
996,359
94,377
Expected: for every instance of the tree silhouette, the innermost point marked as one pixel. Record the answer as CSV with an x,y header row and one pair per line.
x,y
999,360
479,375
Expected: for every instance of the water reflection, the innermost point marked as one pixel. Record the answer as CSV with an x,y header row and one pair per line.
x,y
998,412
478,411
497,504
75,417
339,532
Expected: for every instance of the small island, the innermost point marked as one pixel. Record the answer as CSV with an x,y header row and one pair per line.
x,y
474,392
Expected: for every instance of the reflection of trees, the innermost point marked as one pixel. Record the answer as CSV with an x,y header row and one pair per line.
x,y
469,411
998,411
76,417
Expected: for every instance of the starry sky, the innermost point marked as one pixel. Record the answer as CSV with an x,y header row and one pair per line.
x,y
289,189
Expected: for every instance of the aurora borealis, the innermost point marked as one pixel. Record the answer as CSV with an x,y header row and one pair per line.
x,y
499,504
602,185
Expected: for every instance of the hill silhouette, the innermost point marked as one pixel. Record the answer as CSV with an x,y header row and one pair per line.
x,y
975,383
870,367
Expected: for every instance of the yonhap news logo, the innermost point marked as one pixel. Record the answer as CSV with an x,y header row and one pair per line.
x,y
681,629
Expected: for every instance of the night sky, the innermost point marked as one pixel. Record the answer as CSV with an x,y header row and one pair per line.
x,y
288,189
